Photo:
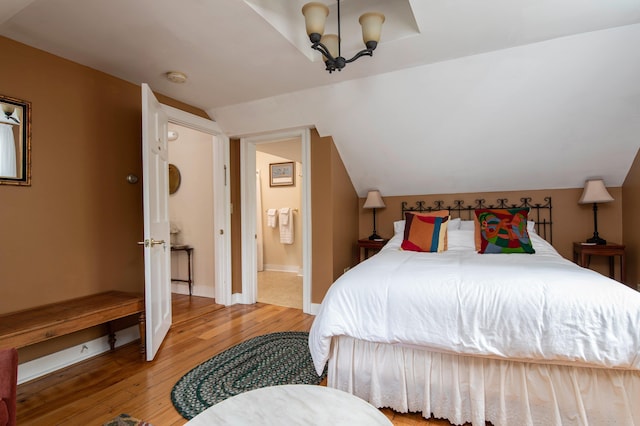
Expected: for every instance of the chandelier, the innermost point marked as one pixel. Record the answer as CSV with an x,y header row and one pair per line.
x,y
315,15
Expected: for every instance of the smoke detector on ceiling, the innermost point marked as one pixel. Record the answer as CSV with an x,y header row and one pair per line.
x,y
176,77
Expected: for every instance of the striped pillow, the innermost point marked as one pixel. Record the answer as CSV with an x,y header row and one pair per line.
x,y
425,233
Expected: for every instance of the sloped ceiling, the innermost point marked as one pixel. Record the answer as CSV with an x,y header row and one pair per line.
x,y
462,95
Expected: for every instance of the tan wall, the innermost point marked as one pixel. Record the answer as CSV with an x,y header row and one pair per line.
x,y
571,221
631,196
321,236
191,210
334,204
74,231
345,216
278,256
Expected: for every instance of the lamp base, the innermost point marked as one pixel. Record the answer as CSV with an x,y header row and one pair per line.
x,y
596,240
375,236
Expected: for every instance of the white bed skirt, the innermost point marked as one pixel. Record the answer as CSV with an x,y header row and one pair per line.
x,y
473,389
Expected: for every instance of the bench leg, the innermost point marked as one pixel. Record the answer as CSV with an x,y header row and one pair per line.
x,y
112,335
142,323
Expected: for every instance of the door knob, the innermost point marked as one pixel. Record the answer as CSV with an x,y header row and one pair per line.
x,y
151,243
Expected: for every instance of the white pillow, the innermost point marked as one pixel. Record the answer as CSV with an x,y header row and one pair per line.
x,y
461,240
398,227
452,225
467,225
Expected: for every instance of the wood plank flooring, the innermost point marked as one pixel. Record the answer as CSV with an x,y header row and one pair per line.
x,y
97,390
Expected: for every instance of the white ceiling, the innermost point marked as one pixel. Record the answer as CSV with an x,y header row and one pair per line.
x,y
460,96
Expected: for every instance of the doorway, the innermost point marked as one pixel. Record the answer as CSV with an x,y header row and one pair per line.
x,y
278,226
191,213
258,154
220,287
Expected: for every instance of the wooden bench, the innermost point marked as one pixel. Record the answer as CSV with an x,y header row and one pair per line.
x,y
35,325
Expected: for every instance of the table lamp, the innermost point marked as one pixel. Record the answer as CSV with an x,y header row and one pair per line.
x,y
374,201
595,192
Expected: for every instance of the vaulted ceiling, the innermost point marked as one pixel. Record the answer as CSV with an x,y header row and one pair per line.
x,y
460,96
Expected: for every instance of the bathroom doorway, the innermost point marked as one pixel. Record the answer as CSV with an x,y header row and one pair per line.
x,y
289,153
278,224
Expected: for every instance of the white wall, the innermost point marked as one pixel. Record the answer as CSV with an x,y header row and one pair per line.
x,y
546,115
191,209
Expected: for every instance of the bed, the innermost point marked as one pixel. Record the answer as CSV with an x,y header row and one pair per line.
x,y
511,339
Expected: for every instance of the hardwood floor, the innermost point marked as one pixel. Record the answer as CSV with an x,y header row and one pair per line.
x,y
97,390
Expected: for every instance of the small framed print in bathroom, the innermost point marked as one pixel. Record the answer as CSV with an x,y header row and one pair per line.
x,y
15,141
282,174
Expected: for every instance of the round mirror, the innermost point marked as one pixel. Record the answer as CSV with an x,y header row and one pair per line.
x,y
174,178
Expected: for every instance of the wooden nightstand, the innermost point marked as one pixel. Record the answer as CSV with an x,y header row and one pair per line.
x,y
368,245
582,255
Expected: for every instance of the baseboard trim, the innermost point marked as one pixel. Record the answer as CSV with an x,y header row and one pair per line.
x,y
314,309
202,291
47,364
238,298
283,268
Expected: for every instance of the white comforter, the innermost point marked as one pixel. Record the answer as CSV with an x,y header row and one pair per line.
x,y
538,307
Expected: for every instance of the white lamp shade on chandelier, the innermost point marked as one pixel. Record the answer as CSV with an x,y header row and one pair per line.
x,y
331,41
371,23
315,16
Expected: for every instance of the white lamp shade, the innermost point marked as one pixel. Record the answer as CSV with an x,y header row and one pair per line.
x,y
315,16
374,200
595,192
331,43
371,26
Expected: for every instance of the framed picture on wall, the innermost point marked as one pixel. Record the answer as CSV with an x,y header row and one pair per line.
x,y
282,174
15,141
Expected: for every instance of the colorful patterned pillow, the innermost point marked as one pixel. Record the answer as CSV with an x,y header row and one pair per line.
x,y
503,231
439,213
425,232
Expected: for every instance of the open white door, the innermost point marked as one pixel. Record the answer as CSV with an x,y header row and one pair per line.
x,y
157,261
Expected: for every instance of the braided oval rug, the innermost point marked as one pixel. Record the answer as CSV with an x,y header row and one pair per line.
x,y
272,359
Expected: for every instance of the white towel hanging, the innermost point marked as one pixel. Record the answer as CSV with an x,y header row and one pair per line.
x,y
284,215
286,225
272,218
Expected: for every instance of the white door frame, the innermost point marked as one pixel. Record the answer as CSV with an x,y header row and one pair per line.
x,y
248,212
221,197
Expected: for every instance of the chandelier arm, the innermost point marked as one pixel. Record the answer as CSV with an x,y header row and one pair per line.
x,y
323,49
364,52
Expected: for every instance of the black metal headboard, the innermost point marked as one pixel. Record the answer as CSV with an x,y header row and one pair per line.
x,y
540,213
